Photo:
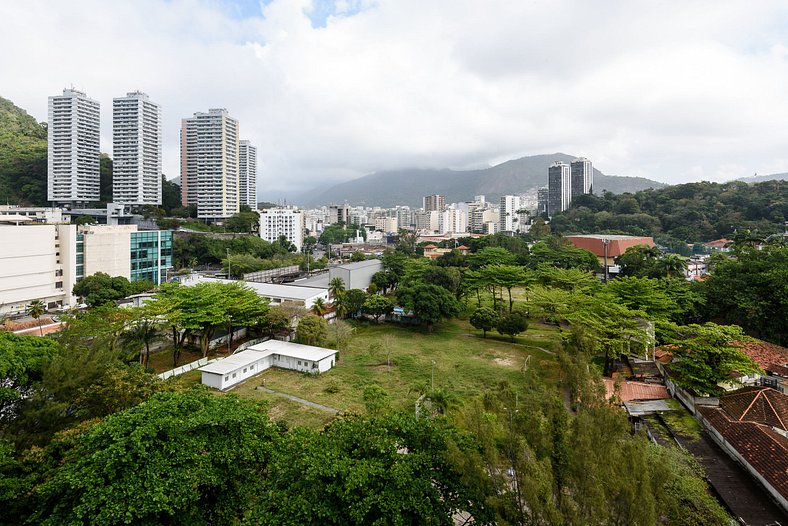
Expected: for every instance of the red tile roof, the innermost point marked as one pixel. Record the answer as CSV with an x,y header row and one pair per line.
x,y
760,405
764,449
430,247
635,391
763,353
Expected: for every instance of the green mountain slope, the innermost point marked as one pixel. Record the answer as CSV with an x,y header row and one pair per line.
x,y
23,157
408,186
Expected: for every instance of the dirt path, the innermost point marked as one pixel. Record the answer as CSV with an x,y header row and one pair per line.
x,y
299,400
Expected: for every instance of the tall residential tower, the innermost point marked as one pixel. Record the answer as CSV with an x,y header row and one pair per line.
x,y
209,164
136,150
73,149
247,174
582,177
558,188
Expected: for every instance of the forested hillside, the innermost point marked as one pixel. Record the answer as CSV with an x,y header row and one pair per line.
x,y
23,156
690,213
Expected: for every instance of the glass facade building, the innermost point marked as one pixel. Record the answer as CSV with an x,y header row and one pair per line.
x,y
151,255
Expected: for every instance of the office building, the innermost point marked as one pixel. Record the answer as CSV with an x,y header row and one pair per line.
x,y
136,150
282,221
434,203
542,199
209,164
582,177
121,250
507,213
247,174
38,262
558,188
73,149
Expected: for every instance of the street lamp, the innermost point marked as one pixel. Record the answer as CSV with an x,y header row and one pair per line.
x,y
230,335
229,275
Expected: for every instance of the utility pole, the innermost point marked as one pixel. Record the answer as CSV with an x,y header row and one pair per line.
x,y
229,275
604,246
433,375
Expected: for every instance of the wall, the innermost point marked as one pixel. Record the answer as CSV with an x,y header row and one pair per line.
x,y
108,249
33,259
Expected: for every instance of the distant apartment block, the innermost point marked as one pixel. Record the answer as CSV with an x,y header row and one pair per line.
x,y
508,219
210,164
73,149
582,177
247,174
282,221
434,203
559,193
136,150
339,214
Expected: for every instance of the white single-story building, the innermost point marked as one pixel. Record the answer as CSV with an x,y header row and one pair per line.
x,y
236,368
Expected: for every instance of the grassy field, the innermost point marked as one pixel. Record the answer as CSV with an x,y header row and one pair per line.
x,y
400,359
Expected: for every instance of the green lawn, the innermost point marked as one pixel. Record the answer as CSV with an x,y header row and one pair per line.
x,y
400,359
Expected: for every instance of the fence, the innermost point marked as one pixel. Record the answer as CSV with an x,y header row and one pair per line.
x,y
185,368
264,276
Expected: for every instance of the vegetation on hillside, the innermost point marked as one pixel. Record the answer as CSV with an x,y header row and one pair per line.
x,y
23,156
685,213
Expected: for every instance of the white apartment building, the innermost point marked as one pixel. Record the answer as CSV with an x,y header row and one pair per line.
x,y
73,148
507,213
136,150
247,174
559,193
386,224
452,221
427,221
209,164
34,214
38,262
282,221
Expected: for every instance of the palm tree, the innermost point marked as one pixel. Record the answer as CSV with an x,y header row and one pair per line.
x,y
36,309
319,307
672,264
336,287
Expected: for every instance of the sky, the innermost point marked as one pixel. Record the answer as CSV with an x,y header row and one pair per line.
x,y
330,90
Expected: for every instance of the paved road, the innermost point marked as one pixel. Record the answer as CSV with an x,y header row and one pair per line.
x,y
299,400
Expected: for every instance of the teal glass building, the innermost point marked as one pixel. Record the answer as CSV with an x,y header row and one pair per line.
x,y
151,255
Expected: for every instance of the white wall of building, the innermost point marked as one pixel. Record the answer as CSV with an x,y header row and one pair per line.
x,y
37,262
108,249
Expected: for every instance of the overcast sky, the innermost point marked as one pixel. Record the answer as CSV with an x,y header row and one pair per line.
x,y
330,90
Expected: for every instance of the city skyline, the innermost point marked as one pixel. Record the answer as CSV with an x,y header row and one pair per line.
x,y
331,91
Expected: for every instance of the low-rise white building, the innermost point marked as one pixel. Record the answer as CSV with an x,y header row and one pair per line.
x,y
225,373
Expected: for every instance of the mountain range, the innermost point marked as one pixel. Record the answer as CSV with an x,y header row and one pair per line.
x,y
408,186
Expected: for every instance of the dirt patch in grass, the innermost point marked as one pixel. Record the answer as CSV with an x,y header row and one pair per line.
x,y
505,362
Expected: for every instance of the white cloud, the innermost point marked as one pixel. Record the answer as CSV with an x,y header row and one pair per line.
x,y
675,90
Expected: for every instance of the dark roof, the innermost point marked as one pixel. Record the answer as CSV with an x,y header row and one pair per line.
x,y
760,405
764,449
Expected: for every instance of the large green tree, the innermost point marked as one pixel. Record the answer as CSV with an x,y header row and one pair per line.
x,y
430,303
181,458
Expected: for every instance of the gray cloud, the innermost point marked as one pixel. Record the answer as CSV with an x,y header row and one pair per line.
x,y
675,90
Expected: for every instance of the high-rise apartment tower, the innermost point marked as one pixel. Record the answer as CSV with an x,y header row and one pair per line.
x,y
558,188
582,177
507,221
247,174
73,149
136,150
434,203
209,164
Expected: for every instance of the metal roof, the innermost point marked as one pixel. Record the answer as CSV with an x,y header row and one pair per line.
x,y
265,349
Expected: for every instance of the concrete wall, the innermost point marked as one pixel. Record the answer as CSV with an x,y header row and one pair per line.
x,y
245,372
212,380
326,363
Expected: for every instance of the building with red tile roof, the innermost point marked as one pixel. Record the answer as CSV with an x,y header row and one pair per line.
x,y
629,391
750,424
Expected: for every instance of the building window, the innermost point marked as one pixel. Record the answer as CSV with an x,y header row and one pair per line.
x,y
244,369
58,284
234,375
226,378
